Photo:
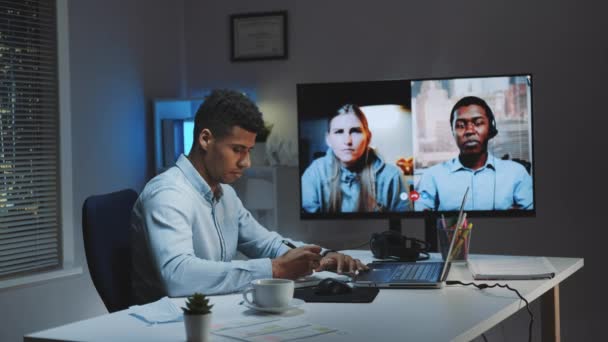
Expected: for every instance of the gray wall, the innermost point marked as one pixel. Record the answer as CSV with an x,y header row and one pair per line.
x,y
562,43
124,53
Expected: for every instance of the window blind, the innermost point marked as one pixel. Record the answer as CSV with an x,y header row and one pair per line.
x,y
30,238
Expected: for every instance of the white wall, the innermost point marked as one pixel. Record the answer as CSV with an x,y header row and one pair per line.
x,y
562,43
123,53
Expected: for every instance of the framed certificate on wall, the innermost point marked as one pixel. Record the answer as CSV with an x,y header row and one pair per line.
x,y
258,36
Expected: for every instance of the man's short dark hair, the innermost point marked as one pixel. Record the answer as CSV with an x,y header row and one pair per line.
x,y
224,109
474,100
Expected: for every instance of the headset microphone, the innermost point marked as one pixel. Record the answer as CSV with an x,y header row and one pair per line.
x,y
455,115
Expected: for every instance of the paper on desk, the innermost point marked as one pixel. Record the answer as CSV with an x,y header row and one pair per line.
x,y
239,323
161,311
276,330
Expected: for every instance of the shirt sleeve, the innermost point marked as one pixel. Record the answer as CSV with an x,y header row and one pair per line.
x,y
311,188
427,191
169,227
255,241
523,195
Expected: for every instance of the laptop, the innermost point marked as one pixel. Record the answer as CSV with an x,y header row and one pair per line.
x,y
410,274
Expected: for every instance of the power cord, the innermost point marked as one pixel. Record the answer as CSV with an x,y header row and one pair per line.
x,y
423,256
358,246
504,286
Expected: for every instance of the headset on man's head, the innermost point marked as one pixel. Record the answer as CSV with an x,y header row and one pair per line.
x,y
474,100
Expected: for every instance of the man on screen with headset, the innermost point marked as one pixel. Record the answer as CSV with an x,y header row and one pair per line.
x,y
188,224
495,184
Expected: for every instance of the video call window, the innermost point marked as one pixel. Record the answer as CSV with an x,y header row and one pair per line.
x,y
407,146
509,98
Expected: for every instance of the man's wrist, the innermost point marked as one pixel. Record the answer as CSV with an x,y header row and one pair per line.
x,y
327,251
276,273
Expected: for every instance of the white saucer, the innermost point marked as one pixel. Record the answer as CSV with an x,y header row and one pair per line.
x,y
292,305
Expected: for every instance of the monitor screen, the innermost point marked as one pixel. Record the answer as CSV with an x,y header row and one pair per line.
x,y
173,126
406,148
188,135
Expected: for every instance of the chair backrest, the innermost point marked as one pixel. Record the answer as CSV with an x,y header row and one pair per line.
x,y
107,243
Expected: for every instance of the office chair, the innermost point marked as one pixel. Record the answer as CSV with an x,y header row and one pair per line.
x,y
107,244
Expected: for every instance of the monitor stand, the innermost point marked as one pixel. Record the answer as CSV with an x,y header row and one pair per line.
x,y
430,229
394,224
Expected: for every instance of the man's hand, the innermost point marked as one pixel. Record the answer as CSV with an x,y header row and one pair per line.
x,y
341,263
296,263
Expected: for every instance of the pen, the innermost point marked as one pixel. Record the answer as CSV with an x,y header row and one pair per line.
x,y
466,245
289,244
462,217
462,238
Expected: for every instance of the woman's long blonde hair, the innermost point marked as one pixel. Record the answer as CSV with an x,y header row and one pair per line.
x,y
363,167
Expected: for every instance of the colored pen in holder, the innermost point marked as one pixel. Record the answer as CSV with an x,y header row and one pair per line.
x,y
447,231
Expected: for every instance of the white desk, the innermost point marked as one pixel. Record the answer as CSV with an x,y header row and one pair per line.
x,y
453,313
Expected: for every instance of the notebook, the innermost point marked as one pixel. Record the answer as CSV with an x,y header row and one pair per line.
x,y
496,267
410,274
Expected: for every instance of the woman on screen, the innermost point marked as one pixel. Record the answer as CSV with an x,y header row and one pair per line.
x,y
351,176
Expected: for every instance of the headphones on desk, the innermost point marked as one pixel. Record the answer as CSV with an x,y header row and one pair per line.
x,y
392,245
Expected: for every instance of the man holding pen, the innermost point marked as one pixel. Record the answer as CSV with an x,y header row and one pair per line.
x,y
188,224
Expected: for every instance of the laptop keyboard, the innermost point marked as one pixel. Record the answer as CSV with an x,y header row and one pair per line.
x,y
421,271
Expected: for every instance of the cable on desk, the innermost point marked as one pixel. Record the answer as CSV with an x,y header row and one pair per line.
x,y
358,246
504,286
423,256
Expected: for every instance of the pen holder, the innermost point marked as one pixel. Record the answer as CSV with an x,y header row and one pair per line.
x,y
460,251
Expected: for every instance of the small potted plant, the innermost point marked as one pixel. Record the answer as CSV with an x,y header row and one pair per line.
x,y
258,154
197,317
264,133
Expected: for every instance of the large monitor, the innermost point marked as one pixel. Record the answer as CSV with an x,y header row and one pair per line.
x,y
410,148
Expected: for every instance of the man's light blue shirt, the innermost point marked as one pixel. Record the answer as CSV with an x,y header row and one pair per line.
x,y
391,195
184,239
498,185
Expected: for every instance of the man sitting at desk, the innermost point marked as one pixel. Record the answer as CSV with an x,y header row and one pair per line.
x,y
495,184
187,224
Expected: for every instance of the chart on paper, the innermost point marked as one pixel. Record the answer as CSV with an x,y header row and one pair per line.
x,y
271,330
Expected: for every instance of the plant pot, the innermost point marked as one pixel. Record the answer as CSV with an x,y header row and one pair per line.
x,y
197,327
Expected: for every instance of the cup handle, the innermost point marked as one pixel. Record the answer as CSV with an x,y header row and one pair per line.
x,y
245,298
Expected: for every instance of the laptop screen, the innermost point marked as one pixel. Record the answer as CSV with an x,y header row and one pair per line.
x,y
461,217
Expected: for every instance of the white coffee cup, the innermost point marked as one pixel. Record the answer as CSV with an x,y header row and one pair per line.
x,y
270,293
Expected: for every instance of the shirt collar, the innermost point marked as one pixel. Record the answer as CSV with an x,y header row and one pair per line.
x,y
457,165
347,175
195,179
